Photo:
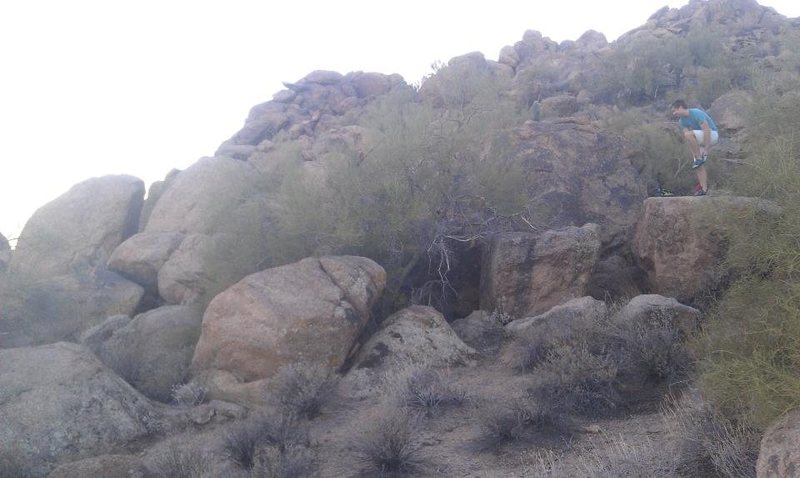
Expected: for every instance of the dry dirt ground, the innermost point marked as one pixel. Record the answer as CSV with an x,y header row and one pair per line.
x,y
451,445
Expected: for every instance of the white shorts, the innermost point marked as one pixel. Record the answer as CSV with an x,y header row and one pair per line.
x,y
698,133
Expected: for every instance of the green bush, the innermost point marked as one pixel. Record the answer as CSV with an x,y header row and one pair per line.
x,y
749,352
431,176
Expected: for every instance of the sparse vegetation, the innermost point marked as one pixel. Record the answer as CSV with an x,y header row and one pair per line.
x,y
302,389
523,421
189,394
430,391
392,446
182,463
245,440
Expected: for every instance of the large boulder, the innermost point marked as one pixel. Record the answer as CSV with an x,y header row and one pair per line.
x,y
732,111
153,351
481,331
204,234
142,256
309,311
80,229
581,174
678,240
524,274
780,451
4,243
416,335
652,307
5,253
71,405
562,321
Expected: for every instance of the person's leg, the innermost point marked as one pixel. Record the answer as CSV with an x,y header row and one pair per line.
x,y
702,178
691,141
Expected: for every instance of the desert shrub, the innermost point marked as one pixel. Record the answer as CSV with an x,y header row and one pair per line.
x,y
243,440
526,352
188,394
706,443
749,351
653,349
431,391
302,389
624,457
577,380
182,463
522,421
392,446
291,462
663,159
431,177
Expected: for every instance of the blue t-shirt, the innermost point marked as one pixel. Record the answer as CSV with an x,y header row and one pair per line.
x,y
695,118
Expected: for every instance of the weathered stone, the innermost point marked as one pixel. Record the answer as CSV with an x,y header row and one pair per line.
x,y
559,106
367,85
4,243
509,56
72,405
416,335
107,466
80,229
142,256
731,111
525,275
153,195
155,348
322,77
615,277
562,320
591,40
677,241
780,454
480,330
312,311
100,333
650,307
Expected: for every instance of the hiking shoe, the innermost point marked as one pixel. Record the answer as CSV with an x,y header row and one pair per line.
x,y
699,161
700,192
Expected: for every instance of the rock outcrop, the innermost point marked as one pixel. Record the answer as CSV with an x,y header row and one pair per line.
x,y
309,311
524,275
152,351
204,234
678,240
649,307
416,335
72,405
780,454
58,282
562,321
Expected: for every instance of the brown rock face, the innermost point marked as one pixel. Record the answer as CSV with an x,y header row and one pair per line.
x,y
142,256
780,449
311,311
677,241
525,275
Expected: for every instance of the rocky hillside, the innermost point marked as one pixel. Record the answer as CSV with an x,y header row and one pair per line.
x,y
468,277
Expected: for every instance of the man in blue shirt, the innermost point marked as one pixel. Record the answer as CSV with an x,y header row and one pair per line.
x,y
700,133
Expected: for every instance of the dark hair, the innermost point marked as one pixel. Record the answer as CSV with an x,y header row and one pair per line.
x,y
679,104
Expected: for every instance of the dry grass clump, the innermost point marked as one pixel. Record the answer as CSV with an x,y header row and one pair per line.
x,y
303,389
392,446
430,391
577,380
252,445
188,394
182,463
522,421
707,443
623,457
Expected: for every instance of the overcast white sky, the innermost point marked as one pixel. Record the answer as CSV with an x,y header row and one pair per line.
x,y
95,87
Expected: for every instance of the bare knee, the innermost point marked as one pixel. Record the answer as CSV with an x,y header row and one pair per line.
x,y
689,135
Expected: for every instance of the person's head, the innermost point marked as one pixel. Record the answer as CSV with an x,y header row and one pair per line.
x,y
679,108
